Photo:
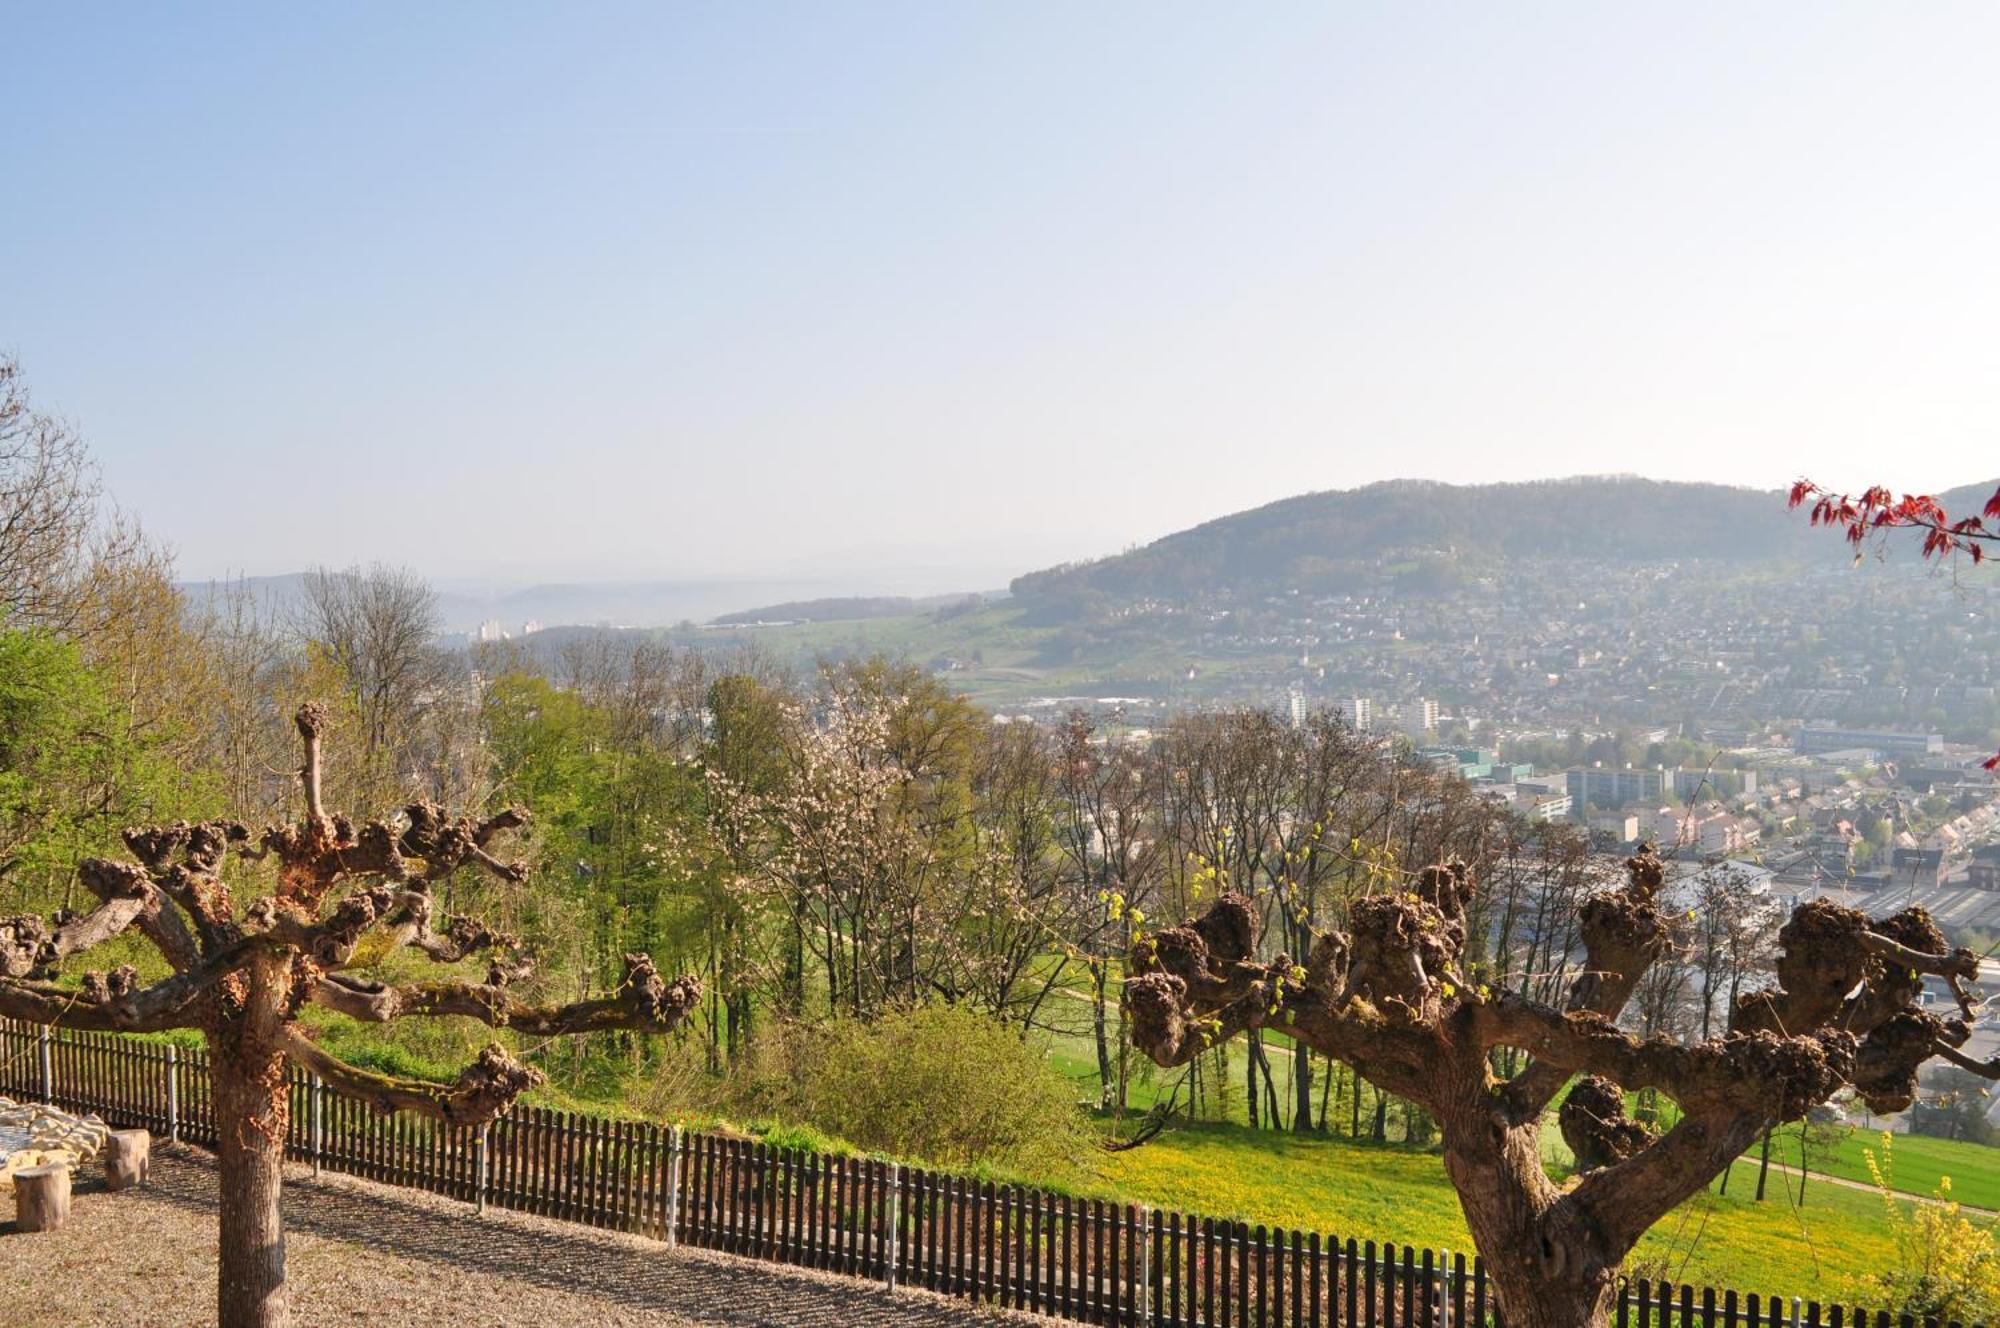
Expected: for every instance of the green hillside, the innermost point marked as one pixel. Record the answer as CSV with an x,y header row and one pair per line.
x,y
1323,540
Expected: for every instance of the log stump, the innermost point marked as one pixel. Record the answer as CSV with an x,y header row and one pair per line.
x,y
41,1198
128,1155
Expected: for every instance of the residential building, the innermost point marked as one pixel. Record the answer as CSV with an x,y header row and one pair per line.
x,y
1917,866
1692,784
1984,873
1592,786
1619,827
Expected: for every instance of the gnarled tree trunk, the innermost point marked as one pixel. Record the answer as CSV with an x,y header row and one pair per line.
x,y
1529,1301
250,1125
1547,1269
252,1110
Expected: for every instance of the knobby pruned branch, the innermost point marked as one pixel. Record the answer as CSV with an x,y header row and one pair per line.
x,y
483,1090
644,1002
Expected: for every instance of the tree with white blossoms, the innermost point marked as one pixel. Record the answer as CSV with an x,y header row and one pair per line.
x,y
870,852
242,972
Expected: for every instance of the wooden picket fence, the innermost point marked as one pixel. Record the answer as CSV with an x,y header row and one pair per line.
x,y
1082,1260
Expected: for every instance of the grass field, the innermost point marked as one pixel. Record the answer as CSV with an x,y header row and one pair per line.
x,y
1821,1247
1919,1164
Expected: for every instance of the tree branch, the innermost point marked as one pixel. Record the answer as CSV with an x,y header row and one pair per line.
x,y
1623,934
446,843
483,1090
311,719
160,921
1627,1197
1761,1072
462,938
29,946
1956,967
1194,986
643,1002
114,1002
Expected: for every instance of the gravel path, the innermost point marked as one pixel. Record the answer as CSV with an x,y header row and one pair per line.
x,y
363,1253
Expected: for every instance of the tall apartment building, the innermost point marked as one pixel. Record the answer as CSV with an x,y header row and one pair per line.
x,y
1590,786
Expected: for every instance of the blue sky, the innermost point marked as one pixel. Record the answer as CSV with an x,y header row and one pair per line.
x,y
527,292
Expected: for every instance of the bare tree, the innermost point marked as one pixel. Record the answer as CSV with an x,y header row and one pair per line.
x,y
1107,840
1027,900
248,747
53,529
48,505
241,975
1734,922
1391,998
378,626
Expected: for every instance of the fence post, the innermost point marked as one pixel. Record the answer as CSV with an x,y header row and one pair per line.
x,y
673,1186
48,1072
895,1234
318,1126
1444,1288
480,1201
1146,1264
173,1094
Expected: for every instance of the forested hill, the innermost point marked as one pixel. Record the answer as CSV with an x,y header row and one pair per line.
x,y
1317,539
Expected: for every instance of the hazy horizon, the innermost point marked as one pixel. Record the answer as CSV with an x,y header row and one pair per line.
x,y
515,295
864,572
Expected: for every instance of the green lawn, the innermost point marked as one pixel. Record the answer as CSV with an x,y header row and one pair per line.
x,y
1918,1164
1386,1192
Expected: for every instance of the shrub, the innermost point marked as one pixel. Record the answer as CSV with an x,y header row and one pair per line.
x,y
1946,1267
942,1084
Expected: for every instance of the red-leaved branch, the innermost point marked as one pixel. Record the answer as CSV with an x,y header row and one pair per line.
x,y
1858,516
1877,509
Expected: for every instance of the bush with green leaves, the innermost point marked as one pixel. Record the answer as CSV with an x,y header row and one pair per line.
x,y
941,1084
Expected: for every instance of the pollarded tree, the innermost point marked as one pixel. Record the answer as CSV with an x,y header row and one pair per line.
x,y
241,975
1390,997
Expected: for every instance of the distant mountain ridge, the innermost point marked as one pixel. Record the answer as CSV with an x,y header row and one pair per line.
x,y
627,604
1310,541
1318,539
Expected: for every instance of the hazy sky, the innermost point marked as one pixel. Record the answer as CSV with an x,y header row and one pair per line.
x,y
590,290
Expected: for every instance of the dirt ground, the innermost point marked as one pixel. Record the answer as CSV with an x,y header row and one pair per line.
x,y
366,1254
